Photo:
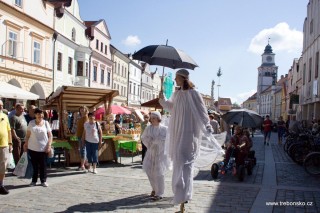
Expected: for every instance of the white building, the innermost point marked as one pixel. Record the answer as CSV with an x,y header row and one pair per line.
x,y
120,75
146,84
71,49
310,96
156,84
100,75
267,74
134,91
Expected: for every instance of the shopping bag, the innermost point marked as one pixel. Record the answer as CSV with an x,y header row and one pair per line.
x,y
10,162
21,166
29,171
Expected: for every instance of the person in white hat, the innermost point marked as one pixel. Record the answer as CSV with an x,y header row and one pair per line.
x,y
188,121
155,162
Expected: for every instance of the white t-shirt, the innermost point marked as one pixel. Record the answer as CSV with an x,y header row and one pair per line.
x,y
92,132
39,136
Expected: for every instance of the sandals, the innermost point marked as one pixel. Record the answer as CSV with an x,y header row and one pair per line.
x,y
156,198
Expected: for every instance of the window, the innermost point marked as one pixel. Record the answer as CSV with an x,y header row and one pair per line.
x,y
36,52
59,62
134,88
304,74
311,26
109,77
94,73
122,70
18,3
121,93
97,44
125,72
310,69
118,69
130,87
80,68
101,47
316,70
13,37
70,62
73,34
138,90
114,86
102,76
106,49
87,69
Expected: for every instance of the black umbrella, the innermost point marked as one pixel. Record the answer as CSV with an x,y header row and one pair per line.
x,y
244,118
164,55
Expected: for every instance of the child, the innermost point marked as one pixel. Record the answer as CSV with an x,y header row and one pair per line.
x,y
155,162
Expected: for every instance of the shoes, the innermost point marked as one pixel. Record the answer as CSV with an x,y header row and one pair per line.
x,y
95,171
155,198
44,184
88,170
3,190
153,193
33,184
81,169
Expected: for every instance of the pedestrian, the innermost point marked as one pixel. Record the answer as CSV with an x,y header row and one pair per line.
x,y
144,124
30,115
155,163
83,113
18,130
214,123
92,140
117,124
281,129
267,126
38,144
188,120
5,147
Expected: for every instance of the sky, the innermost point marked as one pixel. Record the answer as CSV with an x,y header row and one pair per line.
x,y
226,34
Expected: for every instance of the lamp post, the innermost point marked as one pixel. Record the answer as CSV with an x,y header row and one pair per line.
x,y
219,74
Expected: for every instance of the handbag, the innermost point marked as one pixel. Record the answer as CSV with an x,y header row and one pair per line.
x,y
51,153
10,163
29,170
21,166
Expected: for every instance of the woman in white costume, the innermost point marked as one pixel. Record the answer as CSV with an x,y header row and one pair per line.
x,y
155,162
189,120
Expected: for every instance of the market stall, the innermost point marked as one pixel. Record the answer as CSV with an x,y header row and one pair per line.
x,y
70,98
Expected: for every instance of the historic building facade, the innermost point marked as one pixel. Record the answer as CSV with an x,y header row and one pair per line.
x,y
100,74
120,75
267,74
309,97
26,29
71,49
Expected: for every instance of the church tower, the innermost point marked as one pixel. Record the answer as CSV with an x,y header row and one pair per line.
x,y
267,73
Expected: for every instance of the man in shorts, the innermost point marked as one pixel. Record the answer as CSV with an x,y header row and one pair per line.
x,y
5,147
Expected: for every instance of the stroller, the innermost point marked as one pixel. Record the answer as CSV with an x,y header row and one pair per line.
x,y
237,162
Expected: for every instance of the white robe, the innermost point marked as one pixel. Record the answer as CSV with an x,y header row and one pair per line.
x,y
155,162
188,121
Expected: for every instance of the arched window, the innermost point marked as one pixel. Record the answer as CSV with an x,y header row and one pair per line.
x,y
73,34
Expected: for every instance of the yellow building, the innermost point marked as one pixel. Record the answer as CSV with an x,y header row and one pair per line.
x,y
26,30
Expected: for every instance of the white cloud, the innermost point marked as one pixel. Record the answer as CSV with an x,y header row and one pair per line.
x,y
131,40
241,97
282,38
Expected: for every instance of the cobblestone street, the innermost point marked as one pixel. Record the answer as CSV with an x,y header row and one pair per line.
x,y
125,188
